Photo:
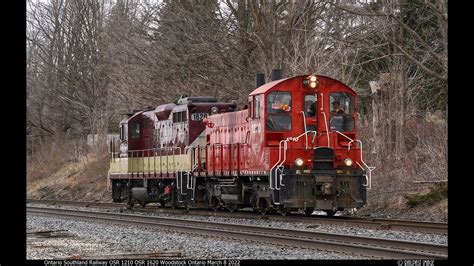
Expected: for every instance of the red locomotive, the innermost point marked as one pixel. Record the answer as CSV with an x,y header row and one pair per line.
x,y
294,148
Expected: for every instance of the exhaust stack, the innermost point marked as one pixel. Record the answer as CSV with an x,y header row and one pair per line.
x,y
259,80
276,74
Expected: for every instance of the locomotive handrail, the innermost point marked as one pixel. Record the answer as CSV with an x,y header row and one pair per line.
x,y
154,164
302,134
193,168
188,183
132,162
179,175
369,168
194,164
148,164
285,147
280,162
133,155
314,136
199,159
222,159
305,129
294,139
271,169
351,140
322,101
157,149
326,124
115,155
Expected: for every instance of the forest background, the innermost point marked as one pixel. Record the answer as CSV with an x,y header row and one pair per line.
x,y
89,62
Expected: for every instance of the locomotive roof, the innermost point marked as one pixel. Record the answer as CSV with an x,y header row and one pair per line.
x,y
126,119
267,86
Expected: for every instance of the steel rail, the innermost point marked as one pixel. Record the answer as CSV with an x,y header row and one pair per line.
x,y
369,246
377,223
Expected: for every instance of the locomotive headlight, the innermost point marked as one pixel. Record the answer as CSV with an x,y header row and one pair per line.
x,y
299,162
312,83
214,110
348,161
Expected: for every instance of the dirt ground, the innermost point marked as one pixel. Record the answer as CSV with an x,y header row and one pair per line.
x,y
85,180
395,207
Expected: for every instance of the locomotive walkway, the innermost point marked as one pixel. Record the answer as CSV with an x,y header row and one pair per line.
x,y
369,246
376,223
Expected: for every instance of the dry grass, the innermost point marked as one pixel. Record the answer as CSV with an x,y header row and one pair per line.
x,y
60,175
425,159
435,195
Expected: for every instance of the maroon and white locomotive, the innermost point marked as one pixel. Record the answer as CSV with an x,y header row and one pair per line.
x,y
294,148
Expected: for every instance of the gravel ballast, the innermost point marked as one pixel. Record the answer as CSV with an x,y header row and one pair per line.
x,y
93,239
114,239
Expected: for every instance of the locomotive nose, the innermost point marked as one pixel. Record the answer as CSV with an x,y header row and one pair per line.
x,y
323,158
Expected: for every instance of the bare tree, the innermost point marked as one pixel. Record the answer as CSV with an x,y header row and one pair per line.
x,y
68,85
90,61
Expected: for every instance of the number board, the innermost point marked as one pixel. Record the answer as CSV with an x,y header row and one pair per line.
x,y
198,116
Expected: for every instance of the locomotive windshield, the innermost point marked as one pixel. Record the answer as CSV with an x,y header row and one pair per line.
x,y
310,105
278,102
278,107
278,123
342,110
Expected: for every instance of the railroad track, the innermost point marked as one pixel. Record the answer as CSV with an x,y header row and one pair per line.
x,y
377,223
368,246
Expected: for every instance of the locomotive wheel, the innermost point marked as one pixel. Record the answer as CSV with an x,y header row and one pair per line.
x,y
308,211
263,207
285,211
215,204
162,203
330,213
142,204
129,202
231,208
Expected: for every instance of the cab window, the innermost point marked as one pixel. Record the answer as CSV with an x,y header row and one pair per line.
x,y
278,102
257,107
135,130
341,103
278,123
310,105
341,109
